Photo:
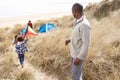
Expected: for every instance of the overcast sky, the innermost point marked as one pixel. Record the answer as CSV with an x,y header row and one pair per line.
x,y
11,8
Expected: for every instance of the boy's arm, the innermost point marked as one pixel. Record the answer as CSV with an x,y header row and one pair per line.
x,y
14,42
26,39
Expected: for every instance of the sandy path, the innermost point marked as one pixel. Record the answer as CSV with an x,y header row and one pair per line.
x,y
36,73
39,75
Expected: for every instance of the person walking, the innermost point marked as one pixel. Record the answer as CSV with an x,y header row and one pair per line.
x,y
30,24
21,48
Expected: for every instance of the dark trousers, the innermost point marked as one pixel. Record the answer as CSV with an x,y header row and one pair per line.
x,y
21,58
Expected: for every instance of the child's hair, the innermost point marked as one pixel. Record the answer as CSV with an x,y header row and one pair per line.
x,y
16,37
20,38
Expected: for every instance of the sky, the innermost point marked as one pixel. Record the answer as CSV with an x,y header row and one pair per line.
x,y
11,8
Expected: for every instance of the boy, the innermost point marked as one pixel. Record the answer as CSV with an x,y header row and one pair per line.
x,y
21,48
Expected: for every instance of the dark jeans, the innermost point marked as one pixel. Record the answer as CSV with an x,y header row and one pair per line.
x,y
21,58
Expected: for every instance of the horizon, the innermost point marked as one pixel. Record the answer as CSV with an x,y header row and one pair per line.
x,y
14,8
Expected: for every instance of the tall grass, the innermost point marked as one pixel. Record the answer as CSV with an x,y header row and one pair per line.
x,y
25,75
103,9
52,55
48,52
103,62
9,69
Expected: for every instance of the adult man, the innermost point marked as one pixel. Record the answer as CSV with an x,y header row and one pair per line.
x,y
80,40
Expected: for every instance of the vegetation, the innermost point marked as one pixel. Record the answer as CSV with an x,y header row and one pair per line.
x,y
48,53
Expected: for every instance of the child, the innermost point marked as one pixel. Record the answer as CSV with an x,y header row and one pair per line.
x,y
30,24
21,48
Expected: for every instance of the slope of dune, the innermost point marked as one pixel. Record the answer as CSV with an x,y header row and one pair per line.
x,y
49,59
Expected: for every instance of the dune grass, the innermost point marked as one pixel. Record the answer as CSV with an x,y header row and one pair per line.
x,y
103,9
10,71
50,53
47,52
25,75
52,56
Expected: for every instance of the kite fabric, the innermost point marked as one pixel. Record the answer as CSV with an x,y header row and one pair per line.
x,y
30,32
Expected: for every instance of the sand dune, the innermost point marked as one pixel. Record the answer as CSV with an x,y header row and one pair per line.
x,y
11,21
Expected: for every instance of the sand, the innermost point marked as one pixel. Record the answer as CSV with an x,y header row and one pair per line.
x,y
11,21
